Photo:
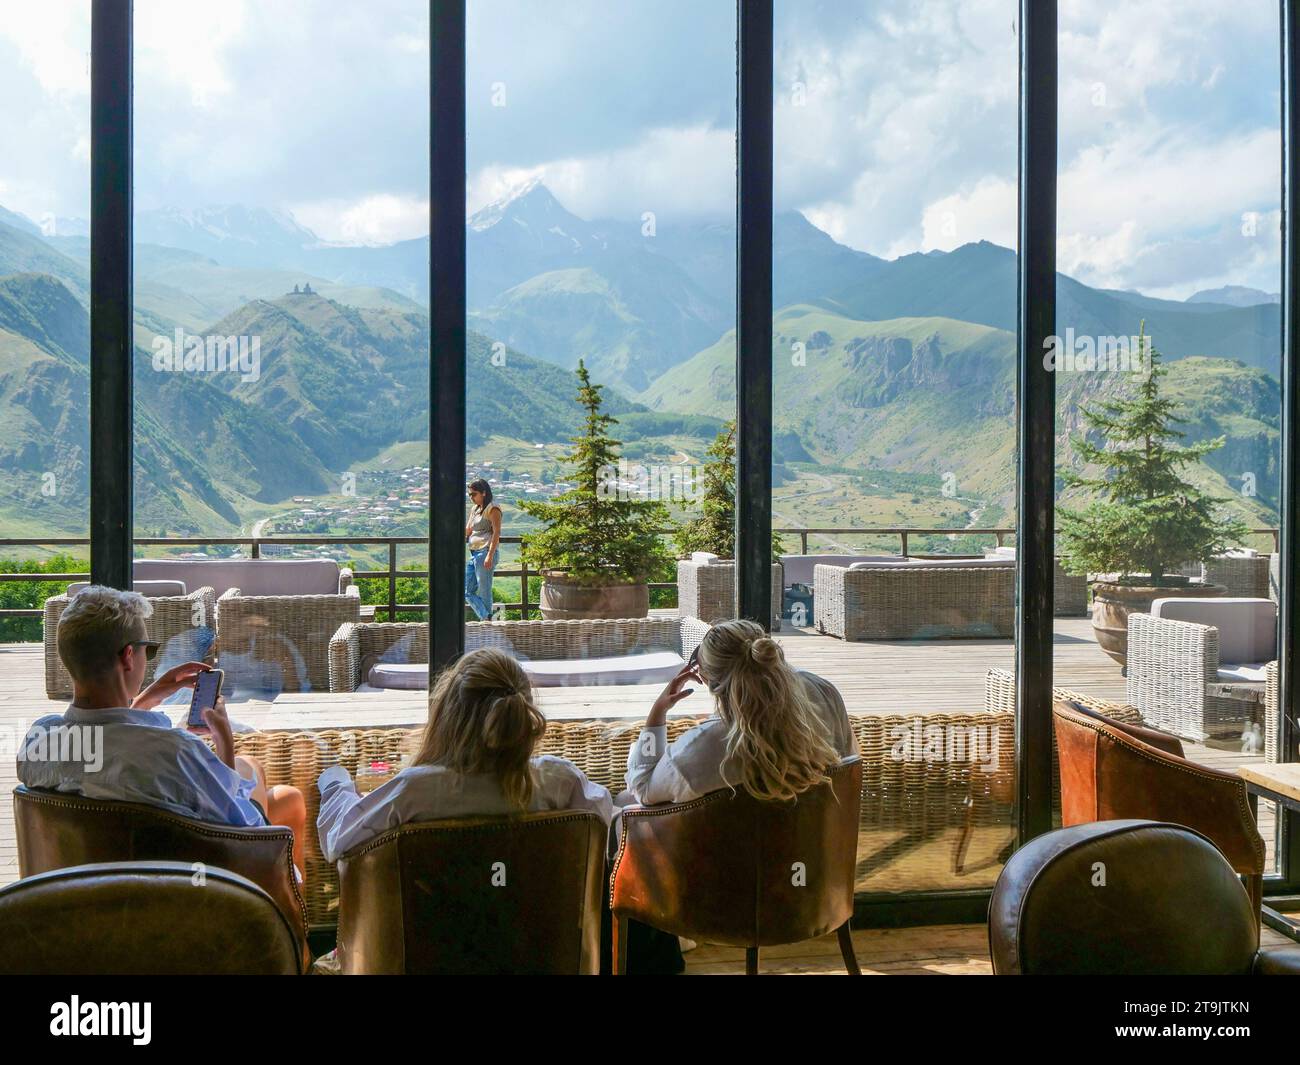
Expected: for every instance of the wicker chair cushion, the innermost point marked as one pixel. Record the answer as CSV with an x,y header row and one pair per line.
x,y
1247,627
657,667
997,562
708,558
156,589
252,576
1250,671
799,568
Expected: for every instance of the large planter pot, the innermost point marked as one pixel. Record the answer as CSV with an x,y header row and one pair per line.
x,y
1112,603
564,599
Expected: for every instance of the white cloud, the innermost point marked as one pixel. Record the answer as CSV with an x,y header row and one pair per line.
x,y
379,219
673,172
53,42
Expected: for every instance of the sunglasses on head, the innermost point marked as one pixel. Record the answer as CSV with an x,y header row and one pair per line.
x,y
150,648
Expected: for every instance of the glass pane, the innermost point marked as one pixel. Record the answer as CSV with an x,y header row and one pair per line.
x,y
1170,299
282,331
894,451
44,358
601,258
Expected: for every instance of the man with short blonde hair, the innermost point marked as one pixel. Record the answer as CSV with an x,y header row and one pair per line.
x,y
103,640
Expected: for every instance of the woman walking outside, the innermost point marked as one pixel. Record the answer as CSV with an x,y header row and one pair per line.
x,y
483,532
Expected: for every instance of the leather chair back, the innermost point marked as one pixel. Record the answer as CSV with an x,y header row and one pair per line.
x,y
143,918
1120,898
56,831
730,869
476,895
1111,771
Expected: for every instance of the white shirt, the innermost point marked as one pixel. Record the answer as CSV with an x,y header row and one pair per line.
x,y
693,765
135,756
433,792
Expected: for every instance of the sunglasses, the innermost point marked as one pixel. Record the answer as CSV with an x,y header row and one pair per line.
x,y
150,648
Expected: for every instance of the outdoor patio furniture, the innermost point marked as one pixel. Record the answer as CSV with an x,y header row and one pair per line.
x,y
143,918
56,830
272,643
254,576
1196,667
1110,771
1000,698
728,868
183,623
421,899
916,600
1244,573
1069,591
1171,906
376,655
706,589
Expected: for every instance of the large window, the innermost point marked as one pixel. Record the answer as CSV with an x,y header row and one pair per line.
x,y
1169,253
601,238
894,355
282,332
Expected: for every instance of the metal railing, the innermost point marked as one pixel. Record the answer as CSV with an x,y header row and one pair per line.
x,y
393,606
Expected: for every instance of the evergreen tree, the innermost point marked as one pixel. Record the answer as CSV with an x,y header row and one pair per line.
x,y
1147,521
592,532
715,529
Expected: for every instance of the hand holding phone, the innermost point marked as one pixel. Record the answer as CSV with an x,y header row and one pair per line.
x,y
207,687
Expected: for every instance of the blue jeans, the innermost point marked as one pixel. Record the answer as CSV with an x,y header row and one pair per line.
x,y
478,584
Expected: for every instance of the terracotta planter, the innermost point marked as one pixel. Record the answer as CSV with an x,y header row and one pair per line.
x,y
563,599
1112,603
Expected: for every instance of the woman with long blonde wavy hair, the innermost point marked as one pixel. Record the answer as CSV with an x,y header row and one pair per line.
x,y
475,760
776,731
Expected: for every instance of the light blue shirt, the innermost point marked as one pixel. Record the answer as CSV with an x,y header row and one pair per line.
x,y
135,756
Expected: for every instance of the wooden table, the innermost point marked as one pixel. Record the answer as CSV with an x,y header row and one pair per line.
x,y
1278,782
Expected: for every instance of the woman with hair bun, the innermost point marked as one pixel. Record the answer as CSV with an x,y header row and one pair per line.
x,y
776,732
476,760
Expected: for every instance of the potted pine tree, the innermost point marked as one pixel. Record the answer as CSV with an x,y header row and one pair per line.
x,y
1145,521
706,588
600,546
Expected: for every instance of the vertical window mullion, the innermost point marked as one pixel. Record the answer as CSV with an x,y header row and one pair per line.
x,y
447,331
111,301
1036,415
754,121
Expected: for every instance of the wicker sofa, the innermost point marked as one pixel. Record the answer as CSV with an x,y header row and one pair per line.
x,y
552,652
1183,653
1069,590
183,624
1245,574
917,599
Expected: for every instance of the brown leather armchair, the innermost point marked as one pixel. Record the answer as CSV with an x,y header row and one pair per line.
x,y
143,919
729,869
1053,910
56,831
476,895
1111,770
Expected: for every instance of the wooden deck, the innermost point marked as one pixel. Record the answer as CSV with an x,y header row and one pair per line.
x,y
887,677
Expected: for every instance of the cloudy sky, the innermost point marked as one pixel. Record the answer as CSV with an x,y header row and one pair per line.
x,y
896,123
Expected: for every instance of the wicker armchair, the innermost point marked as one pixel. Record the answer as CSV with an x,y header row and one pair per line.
x,y
1174,679
281,642
915,601
707,590
184,626
356,646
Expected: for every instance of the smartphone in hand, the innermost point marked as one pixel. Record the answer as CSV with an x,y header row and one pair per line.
x,y
207,687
